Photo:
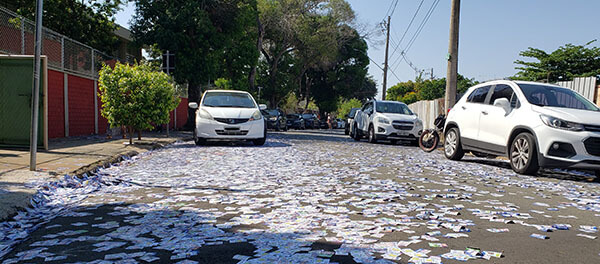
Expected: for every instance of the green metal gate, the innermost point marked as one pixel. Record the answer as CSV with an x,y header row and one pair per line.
x,y
16,82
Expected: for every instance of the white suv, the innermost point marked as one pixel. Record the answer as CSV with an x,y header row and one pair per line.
x,y
533,124
386,120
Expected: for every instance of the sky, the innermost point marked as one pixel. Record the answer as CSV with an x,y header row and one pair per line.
x,y
491,33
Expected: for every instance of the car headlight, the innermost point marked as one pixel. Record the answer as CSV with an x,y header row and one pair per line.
x,y
273,118
419,122
561,124
256,116
383,120
204,114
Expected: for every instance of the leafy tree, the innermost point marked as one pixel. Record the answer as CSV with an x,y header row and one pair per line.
x,y
413,91
210,39
345,106
563,64
90,22
136,96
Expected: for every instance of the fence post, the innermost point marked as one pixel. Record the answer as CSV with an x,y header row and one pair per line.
x,y
62,53
66,98
22,36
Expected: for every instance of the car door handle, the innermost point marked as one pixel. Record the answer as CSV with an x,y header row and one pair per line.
x,y
484,112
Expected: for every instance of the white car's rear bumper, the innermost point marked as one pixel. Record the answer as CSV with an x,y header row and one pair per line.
x,y
211,129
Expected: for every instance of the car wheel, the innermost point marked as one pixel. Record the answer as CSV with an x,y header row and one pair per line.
x,y
523,154
277,127
372,138
346,130
452,146
261,141
355,134
198,141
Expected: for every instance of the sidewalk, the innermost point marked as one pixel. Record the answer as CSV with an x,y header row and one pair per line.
x,y
75,155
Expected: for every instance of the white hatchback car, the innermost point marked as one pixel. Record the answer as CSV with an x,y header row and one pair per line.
x,y
229,115
533,124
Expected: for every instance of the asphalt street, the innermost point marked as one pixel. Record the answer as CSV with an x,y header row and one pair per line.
x,y
309,197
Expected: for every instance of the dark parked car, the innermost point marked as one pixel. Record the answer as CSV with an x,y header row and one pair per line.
x,y
311,120
350,119
275,119
295,121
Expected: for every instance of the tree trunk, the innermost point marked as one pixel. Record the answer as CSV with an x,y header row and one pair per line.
x,y
130,130
308,83
194,93
261,34
139,132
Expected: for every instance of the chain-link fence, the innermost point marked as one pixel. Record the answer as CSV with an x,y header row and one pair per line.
x,y
64,54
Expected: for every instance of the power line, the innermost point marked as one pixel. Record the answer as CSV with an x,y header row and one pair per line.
x,y
423,23
394,10
407,28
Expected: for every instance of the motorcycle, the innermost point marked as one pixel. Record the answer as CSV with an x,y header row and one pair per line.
x,y
430,138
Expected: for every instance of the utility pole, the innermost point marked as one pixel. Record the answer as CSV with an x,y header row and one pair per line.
x,y
385,67
35,96
431,74
452,56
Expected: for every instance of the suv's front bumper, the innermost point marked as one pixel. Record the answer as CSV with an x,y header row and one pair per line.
x,y
573,148
389,132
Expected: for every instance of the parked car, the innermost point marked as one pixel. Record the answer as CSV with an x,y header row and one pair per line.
x,y
533,124
275,119
229,115
340,123
323,123
295,121
349,120
386,120
311,121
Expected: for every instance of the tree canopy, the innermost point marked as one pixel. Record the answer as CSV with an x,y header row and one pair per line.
x,y
563,64
90,22
412,91
211,39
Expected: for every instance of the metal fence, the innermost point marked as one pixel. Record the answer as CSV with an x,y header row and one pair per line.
x,y
64,54
585,86
428,111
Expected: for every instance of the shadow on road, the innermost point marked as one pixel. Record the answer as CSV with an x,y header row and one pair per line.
x,y
117,232
548,173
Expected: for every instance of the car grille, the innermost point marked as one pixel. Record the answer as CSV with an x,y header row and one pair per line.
x,y
592,145
403,125
231,131
592,128
232,121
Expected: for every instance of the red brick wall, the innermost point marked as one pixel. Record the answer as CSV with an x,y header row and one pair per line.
x,y
56,104
81,106
182,113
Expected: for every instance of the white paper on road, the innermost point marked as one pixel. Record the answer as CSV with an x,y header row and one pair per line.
x,y
284,198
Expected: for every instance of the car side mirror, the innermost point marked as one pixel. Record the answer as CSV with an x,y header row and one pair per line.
x,y
193,105
504,104
262,106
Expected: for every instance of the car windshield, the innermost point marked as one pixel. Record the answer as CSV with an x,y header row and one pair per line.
x,y
307,116
545,95
228,99
272,112
393,108
352,112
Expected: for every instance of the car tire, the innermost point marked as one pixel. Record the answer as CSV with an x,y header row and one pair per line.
x,y
261,141
523,154
372,137
452,146
198,141
346,130
355,134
